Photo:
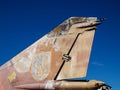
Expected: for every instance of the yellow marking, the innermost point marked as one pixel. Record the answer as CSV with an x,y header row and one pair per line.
x,y
12,77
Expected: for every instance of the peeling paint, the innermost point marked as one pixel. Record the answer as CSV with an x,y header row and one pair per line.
x,y
49,85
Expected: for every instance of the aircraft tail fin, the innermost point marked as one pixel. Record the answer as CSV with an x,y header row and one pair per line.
x,y
63,53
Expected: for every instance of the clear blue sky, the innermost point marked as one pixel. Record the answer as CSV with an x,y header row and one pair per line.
x,y
22,22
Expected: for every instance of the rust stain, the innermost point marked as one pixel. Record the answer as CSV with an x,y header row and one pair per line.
x,y
56,30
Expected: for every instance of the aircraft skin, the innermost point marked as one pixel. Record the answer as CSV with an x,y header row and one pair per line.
x,y
53,60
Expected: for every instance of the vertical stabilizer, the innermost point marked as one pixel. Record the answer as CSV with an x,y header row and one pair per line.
x,y
63,53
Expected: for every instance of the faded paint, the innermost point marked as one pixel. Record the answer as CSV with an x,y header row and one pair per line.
x,y
80,56
37,66
40,66
23,65
64,85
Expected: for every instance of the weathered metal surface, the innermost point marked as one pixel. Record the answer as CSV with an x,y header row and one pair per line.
x,y
37,66
65,85
79,56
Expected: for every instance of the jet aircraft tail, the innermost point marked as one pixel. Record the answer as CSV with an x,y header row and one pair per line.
x,y
61,54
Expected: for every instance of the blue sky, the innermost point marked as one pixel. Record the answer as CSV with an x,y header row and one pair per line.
x,y
22,22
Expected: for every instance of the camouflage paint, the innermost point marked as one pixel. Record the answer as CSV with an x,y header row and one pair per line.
x,y
37,66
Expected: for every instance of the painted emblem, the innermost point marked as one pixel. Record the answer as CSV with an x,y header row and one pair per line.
x,y
40,66
22,65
